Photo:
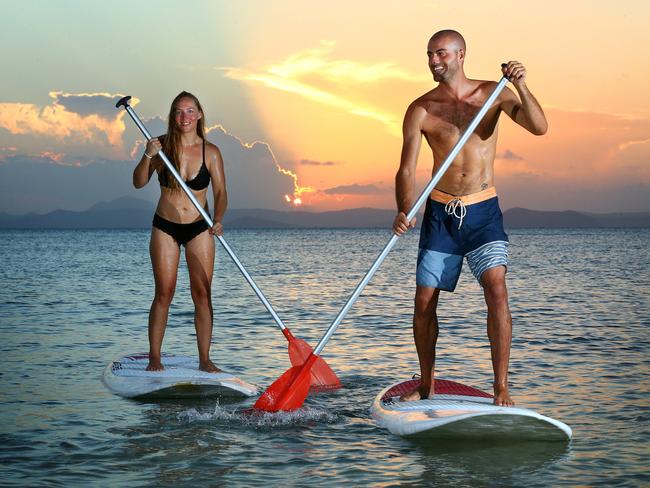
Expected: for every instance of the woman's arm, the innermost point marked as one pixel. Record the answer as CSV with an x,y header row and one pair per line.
x,y
143,171
218,180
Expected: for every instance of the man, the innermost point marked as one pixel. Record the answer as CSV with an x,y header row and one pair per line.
x,y
462,216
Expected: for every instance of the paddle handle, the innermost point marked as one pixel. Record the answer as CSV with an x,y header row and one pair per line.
x,y
414,210
124,102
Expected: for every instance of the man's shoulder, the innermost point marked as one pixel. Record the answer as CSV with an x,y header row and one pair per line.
x,y
484,85
424,101
427,97
481,82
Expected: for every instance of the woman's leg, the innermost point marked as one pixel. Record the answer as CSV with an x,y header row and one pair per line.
x,y
165,253
199,253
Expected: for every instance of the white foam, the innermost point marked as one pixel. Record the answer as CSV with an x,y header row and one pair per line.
x,y
257,418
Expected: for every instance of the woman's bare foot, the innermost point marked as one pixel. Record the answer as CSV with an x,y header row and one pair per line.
x,y
502,396
422,392
209,367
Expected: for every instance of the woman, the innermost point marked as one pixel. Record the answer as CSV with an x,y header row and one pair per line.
x,y
177,222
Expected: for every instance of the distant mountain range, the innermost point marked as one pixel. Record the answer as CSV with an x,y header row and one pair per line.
x,y
129,212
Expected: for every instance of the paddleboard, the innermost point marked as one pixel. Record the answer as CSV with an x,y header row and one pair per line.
x,y
181,378
459,411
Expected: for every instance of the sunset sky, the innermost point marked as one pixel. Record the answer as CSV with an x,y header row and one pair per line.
x,y
317,90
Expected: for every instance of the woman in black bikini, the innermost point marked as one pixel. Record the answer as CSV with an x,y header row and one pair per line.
x,y
177,222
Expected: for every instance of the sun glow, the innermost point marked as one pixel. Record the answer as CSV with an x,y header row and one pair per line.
x,y
297,189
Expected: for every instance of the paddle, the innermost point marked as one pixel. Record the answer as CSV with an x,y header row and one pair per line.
x,y
289,391
321,375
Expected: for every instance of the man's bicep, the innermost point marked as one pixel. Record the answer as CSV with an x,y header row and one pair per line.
x,y
412,137
410,150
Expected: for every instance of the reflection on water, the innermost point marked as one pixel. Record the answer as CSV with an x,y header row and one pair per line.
x,y
75,300
498,464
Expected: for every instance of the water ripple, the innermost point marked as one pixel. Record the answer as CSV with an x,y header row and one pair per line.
x,y
77,299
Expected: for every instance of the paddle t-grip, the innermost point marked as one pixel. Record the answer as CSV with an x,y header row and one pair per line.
x,y
123,102
504,66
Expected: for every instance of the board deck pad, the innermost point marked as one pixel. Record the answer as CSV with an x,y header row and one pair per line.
x,y
181,378
442,387
460,411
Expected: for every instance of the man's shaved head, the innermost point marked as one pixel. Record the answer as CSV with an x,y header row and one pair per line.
x,y
453,36
446,53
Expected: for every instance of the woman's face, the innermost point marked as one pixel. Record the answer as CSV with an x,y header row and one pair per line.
x,y
186,115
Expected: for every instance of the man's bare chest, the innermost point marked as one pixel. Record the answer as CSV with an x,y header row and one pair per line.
x,y
446,122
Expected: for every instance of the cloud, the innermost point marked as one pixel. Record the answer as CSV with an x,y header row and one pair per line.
x,y
39,184
632,161
509,155
588,161
317,95
625,145
312,75
316,61
86,104
310,162
254,178
586,149
7,151
84,120
77,151
355,189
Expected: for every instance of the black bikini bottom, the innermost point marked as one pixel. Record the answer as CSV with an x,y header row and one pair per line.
x,y
182,233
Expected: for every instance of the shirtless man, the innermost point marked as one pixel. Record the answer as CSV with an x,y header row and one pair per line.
x,y
462,216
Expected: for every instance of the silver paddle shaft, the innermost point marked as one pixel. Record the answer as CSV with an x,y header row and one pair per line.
x,y
207,218
414,210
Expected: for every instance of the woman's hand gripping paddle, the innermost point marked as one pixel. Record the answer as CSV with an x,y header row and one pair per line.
x,y
321,375
290,390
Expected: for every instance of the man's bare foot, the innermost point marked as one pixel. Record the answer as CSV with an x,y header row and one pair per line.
x,y
209,367
155,365
420,393
502,397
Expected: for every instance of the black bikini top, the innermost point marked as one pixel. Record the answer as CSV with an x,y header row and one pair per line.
x,y
199,182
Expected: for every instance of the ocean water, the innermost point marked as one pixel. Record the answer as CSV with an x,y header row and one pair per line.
x,y
70,301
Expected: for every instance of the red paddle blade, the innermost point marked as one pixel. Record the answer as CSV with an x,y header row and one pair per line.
x,y
322,376
289,391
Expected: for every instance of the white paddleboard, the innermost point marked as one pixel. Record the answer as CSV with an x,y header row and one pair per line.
x,y
459,411
182,378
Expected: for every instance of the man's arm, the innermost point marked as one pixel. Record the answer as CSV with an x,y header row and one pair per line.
x,y
405,177
527,113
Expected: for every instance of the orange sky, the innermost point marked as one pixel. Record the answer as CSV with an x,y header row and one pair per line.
x,y
324,87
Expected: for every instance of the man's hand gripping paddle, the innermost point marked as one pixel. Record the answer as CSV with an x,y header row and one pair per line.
x,y
320,374
290,390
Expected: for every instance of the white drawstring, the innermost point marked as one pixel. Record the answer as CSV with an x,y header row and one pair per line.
x,y
454,205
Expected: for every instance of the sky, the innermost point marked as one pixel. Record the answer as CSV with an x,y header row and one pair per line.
x,y
306,99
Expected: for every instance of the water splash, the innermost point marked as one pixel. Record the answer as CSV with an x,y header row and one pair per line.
x,y
257,418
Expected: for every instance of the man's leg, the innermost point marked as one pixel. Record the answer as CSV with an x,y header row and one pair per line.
x,y
499,329
425,333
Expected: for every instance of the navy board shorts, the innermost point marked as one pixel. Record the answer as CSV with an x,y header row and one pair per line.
x,y
469,226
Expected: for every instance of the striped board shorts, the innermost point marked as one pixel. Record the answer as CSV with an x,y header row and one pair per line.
x,y
469,226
